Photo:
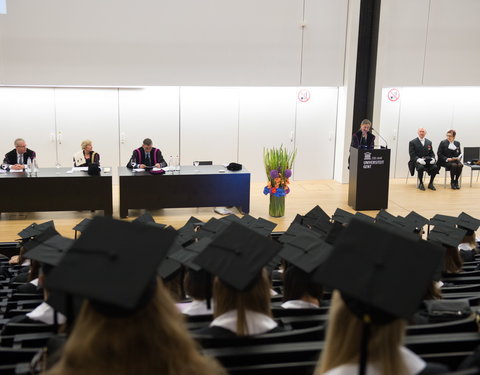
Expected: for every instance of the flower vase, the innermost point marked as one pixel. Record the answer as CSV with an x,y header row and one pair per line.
x,y
277,206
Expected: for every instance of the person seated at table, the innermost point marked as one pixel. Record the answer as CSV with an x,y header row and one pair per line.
x,y
422,158
363,138
147,156
450,156
86,156
18,157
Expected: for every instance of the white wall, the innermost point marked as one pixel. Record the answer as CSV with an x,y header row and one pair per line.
x,y
435,108
429,42
221,124
183,42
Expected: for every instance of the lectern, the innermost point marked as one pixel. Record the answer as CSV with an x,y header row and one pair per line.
x,y
369,178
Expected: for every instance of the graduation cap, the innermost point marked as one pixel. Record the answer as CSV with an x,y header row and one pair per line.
x,y
364,217
50,251
322,227
293,231
298,219
81,226
188,232
261,226
342,216
42,236
397,223
148,219
307,251
443,220
237,255
113,264
35,229
378,288
212,227
375,260
384,215
187,255
447,235
315,214
468,222
28,232
418,220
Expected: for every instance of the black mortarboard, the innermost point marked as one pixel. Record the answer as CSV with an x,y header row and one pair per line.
x,y
417,219
35,229
376,269
212,227
307,251
247,219
237,255
443,220
81,226
446,235
313,215
396,223
468,222
187,255
321,226
188,232
297,219
364,217
384,215
113,264
28,232
261,226
342,216
42,236
148,219
293,231
50,251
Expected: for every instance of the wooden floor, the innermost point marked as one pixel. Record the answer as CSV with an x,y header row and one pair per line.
x,y
304,195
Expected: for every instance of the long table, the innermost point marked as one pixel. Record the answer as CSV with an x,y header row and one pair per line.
x,y
53,189
201,186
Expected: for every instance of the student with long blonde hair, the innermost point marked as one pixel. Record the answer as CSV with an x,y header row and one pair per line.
x,y
128,323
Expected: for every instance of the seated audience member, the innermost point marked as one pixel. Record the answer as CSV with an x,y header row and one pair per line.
x,y
298,291
468,246
86,156
241,290
127,325
147,156
48,253
450,156
303,250
449,238
363,138
422,158
370,307
18,157
196,287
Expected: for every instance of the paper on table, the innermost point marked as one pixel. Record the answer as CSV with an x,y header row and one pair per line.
x,y
83,169
138,169
17,170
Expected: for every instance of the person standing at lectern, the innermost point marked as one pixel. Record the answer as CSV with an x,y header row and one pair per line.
x,y
18,157
147,156
422,158
363,138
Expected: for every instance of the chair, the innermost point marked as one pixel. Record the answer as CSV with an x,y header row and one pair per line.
x,y
469,154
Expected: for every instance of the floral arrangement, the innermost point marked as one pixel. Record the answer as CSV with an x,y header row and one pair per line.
x,y
278,167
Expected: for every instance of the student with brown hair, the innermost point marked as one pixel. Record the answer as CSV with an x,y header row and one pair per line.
x,y
241,290
128,323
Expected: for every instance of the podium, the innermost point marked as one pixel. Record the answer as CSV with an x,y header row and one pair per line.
x,y
369,179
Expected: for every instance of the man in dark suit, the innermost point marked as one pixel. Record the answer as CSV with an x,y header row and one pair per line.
x,y
18,157
147,156
422,158
363,138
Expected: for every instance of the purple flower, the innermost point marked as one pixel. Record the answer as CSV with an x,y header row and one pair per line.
x,y
288,173
273,173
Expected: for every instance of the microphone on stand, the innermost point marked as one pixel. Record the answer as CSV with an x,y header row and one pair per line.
x,y
377,133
